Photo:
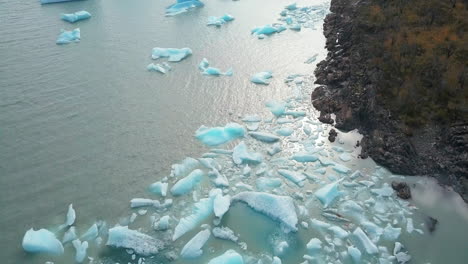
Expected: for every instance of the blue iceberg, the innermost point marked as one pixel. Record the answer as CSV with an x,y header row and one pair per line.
x,y
264,137
241,155
69,36
122,237
267,30
171,53
218,21
77,16
201,211
80,248
42,241
187,184
219,135
162,68
293,176
277,108
206,70
193,248
182,6
262,77
328,193
229,257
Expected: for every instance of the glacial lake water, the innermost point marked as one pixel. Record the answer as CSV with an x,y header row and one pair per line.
x,y
86,123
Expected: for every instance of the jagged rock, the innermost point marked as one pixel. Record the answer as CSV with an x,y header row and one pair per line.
x,y
402,189
332,135
431,224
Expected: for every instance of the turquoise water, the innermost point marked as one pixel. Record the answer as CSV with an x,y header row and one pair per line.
x,y
86,123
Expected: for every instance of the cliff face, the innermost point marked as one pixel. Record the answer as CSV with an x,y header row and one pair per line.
x,y
397,71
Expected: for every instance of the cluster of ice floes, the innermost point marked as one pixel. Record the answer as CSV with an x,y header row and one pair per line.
x,y
281,167
182,6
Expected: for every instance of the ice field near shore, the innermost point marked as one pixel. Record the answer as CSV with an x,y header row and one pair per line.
x,y
227,171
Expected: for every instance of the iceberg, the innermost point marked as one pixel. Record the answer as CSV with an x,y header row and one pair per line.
x,y
265,184
41,241
70,235
276,260
355,254
182,6
297,178
264,137
54,1
224,233
304,157
341,169
142,202
162,68
280,208
71,216
219,21
171,53
328,193
69,36
219,179
162,224
291,7
277,108
159,188
262,77
77,16
219,135
391,233
221,205
187,184
207,70
286,131
187,165
267,30
202,210
229,257
193,248
91,233
385,191
276,148
122,237
314,246
80,248
241,155
364,243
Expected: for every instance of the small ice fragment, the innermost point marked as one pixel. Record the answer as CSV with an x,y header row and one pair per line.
x,y
391,233
355,175
182,6
91,233
229,257
277,108
341,169
352,210
69,36
264,137
80,248
339,232
157,68
77,16
221,205
409,225
295,27
291,7
385,191
241,155
142,202
265,183
345,157
159,188
355,254
276,148
279,208
280,248
251,118
262,77
41,241
402,257
187,184
314,246
162,224
295,114
193,248
276,260
71,216
297,178
304,157
171,53
201,211
285,131
122,237
246,170
224,233
70,235
328,193
218,21
364,242
187,165
219,135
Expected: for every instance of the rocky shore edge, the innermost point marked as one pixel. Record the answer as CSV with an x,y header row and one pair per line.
x,y
348,90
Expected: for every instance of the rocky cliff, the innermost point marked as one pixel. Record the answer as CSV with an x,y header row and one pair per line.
x,y
397,71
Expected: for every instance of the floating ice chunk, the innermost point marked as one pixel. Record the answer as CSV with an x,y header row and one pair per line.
x,y
217,72
267,30
355,175
295,114
409,225
71,216
229,257
182,6
339,232
251,118
80,248
355,254
295,27
227,17
219,179
297,178
171,53
352,210
276,148
163,223
314,246
345,157
391,233
187,184
374,232
162,68
291,7
122,237
304,157
159,188
262,77
341,169
285,131
202,210
219,135
69,36
77,16
218,21
401,256
385,191
326,162
241,155
187,165
193,248
364,243
276,260
142,202
279,249
224,233
54,1
277,108
328,193
221,205
279,208
41,241
70,235
264,137
265,184
91,233
320,226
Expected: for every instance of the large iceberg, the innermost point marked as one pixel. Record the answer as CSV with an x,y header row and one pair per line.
x,y
42,241
77,16
277,207
182,6
193,248
171,53
219,135
229,257
187,184
122,237
262,77
69,36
